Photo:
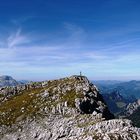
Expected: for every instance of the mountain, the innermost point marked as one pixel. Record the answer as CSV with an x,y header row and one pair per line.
x,y
135,117
132,107
107,82
116,102
7,81
65,109
130,88
132,112
22,82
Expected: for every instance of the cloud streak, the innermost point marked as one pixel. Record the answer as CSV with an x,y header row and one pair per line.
x,y
16,39
24,57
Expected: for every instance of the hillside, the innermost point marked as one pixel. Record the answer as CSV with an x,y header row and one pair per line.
x,y
116,103
68,108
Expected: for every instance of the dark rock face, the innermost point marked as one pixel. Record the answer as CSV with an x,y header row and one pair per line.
x,y
92,100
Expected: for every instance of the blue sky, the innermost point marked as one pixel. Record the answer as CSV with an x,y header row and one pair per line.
x,y
47,39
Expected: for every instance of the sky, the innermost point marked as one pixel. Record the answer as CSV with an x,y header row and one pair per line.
x,y
48,39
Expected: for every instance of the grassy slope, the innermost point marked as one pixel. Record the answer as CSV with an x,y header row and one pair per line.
x,y
28,103
20,106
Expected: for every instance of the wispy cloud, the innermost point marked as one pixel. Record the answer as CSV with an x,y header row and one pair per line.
x,y
16,39
71,55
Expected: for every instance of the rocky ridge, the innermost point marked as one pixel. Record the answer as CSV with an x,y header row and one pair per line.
x,y
75,128
132,107
132,112
66,109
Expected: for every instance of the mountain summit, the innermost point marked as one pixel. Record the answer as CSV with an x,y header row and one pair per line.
x,y
6,80
68,108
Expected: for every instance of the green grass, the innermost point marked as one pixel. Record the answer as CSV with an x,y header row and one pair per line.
x,y
12,108
70,97
28,103
120,104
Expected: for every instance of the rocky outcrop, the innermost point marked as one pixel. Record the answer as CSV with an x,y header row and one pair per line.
x,y
132,112
132,107
75,128
11,91
67,109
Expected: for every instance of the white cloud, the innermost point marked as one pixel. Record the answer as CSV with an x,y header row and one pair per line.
x,y
67,57
16,39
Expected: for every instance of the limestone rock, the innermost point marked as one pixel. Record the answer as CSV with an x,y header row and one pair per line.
x,y
70,108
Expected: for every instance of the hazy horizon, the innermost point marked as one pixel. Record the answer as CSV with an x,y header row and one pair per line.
x,y
42,40
58,77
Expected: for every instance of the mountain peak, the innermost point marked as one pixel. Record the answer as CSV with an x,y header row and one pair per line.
x,y
6,80
5,77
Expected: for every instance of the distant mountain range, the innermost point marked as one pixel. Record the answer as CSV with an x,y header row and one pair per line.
x,y
6,80
122,98
116,102
118,95
130,88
